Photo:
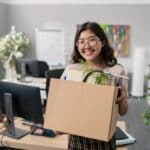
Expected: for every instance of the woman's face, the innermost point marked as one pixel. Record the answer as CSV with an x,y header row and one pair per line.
x,y
89,45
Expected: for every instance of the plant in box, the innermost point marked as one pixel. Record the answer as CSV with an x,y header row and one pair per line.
x,y
100,77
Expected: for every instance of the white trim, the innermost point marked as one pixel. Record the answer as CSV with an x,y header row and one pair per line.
x,y
21,2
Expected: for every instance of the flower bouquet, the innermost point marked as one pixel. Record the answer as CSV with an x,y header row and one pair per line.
x,y
12,45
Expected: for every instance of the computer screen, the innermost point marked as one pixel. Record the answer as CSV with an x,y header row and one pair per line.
x,y
26,101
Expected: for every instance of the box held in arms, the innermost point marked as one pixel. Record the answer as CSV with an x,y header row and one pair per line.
x,y
83,109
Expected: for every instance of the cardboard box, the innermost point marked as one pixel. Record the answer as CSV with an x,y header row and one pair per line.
x,y
83,109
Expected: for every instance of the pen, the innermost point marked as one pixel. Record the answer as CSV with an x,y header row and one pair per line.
x,y
117,75
65,77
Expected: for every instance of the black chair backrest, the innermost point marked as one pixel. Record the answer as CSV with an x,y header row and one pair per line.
x,y
32,68
55,73
43,67
36,68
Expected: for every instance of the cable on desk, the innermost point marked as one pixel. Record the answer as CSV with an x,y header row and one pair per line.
x,y
3,135
4,132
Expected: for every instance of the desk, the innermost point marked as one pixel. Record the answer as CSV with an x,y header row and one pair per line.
x,y
31,142
38,82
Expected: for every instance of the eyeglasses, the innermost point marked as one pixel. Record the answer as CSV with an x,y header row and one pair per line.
x,y
92,41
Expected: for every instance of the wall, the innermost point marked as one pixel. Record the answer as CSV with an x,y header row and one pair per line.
x,y
3,19
3,30
28,17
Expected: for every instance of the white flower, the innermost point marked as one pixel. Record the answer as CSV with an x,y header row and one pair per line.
x,y
13,43
18,55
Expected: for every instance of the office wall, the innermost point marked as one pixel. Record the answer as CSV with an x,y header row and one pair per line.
x,y
3,29
3,19
28,17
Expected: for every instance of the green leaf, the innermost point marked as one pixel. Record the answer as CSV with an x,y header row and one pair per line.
x,y
146,117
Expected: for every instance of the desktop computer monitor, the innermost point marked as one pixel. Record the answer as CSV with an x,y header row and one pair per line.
x,y
26,101
22,101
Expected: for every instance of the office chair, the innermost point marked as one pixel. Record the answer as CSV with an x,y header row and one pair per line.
x,y
36,68
31,67
43,67
55,73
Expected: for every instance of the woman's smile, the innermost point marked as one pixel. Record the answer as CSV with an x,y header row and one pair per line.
x,y
88,51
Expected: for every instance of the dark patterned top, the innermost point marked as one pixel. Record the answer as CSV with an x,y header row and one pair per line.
x,y
82,143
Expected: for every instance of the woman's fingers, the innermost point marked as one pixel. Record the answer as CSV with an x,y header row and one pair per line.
x,y
121,95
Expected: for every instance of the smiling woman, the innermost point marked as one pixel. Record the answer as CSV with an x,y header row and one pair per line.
x,y
91,47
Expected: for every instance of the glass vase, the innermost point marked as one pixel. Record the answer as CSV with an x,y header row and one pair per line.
x,y
10,72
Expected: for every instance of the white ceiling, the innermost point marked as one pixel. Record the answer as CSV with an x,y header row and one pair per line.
x,y
76,1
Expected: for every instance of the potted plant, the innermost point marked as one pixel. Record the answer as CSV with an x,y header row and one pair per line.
x,y
146,114
12,45
146,117
100,77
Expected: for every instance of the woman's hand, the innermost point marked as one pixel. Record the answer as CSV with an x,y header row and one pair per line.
x,y
122,100
121,95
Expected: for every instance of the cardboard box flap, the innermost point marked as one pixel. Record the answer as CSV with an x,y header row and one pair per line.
x,y
80,108
113,117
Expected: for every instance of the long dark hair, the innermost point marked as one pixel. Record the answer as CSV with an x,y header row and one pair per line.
x,y
106,54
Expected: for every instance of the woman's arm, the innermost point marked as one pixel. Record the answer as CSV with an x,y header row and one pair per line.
x,y
122,100
123,94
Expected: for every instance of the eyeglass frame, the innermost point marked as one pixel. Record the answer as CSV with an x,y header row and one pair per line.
x,y
88,41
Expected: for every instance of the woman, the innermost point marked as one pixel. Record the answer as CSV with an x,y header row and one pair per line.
x,y
91,45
